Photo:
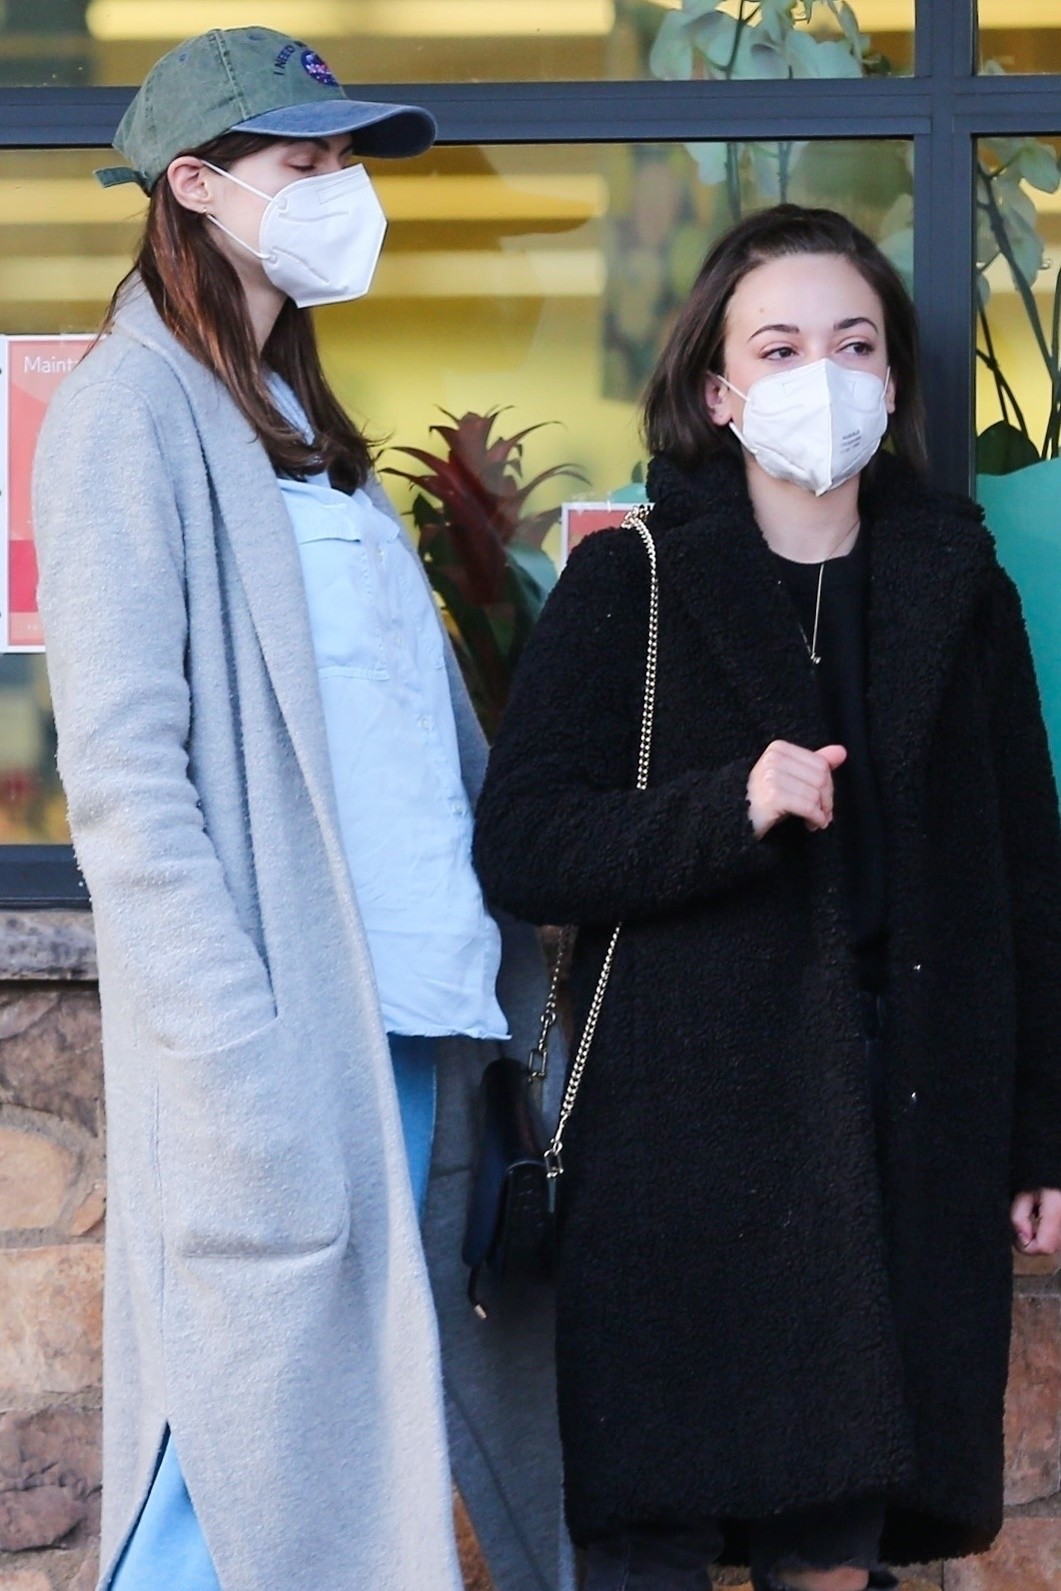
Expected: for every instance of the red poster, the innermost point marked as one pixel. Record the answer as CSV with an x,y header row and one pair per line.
x,y
585,519
33,369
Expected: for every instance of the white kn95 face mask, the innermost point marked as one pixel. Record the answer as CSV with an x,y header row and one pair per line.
x,y
816,425
320,237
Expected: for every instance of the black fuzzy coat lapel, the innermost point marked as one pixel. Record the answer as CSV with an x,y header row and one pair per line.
x,y
929,558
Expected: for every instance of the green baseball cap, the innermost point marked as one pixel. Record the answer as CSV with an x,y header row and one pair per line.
x,y
250,80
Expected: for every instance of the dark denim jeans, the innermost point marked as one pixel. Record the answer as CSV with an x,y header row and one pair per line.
x,y
830,1537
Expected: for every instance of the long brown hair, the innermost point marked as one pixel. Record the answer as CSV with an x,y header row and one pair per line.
x,y
199,297
675,420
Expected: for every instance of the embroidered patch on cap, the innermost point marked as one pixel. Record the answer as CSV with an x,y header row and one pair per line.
x,y
319,69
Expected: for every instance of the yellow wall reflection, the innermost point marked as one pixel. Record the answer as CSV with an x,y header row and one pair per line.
x,y
380,41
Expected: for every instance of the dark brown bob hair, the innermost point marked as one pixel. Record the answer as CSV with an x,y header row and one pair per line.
x,y
675,420
199,297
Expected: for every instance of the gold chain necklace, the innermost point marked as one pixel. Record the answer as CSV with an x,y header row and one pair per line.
x,y
812,644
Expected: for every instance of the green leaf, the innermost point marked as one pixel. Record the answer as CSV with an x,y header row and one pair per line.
x,y
801,52
1015,202
710,162
714,37
774,23
671,56
898,216
1037,164
849,23
1019,221
1002,150
1001,449
776,16
536,574
986,241
898,247
812,58
673,49
759,61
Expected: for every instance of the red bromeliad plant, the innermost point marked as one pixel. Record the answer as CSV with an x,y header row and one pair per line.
x,y
482,549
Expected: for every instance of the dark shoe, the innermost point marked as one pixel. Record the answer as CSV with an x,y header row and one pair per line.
x,y
880,1579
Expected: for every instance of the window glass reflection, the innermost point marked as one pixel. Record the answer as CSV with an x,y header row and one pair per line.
x,y
409,41
531,284
1018,394
1019,36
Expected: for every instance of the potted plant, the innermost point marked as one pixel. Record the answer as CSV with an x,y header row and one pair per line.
x,y
482,547
667,202
1018,468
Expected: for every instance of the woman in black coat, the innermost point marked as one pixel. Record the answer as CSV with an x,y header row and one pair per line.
x,y
825,1091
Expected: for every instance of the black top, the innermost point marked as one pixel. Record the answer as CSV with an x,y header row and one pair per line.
x,y
841,678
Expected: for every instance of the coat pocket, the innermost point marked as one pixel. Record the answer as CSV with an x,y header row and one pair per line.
x,y
248,1155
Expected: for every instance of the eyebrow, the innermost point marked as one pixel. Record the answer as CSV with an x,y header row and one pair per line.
x,y
841,325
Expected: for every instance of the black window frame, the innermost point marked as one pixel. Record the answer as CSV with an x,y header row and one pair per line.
x,y
943,108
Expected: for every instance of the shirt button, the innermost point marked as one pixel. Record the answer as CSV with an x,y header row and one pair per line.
x,y
426,721
917,966
913,1097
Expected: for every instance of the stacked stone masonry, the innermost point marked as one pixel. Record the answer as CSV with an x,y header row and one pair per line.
x,y
52,1206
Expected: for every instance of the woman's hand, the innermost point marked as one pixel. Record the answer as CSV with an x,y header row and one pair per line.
x,y
790,781
1036,1221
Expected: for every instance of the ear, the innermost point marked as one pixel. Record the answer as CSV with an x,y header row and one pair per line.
x,y
190,181
718,398
889,394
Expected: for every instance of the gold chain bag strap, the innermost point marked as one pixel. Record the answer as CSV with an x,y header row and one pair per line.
x,y
636,519
511,1222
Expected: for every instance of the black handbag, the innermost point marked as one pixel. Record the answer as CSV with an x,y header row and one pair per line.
x,y
511,1225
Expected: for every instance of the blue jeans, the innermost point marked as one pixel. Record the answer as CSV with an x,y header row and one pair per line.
x,y
414,1061
167,1550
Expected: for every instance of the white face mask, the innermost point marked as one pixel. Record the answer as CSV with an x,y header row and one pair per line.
x,y
320,237
815,426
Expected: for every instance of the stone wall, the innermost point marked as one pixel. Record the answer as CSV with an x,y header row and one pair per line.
x,y
51,1272
51,1253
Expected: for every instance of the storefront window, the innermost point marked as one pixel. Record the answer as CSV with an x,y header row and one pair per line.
x,y
536,282
461,41
1018,407
1020,35
63,247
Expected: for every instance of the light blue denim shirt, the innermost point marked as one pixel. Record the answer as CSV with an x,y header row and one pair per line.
x,y
403,812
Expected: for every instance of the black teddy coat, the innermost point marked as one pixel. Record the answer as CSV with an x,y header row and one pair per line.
x,y
755,1312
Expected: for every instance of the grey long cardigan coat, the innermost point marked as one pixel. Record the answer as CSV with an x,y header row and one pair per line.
x,y
266,1292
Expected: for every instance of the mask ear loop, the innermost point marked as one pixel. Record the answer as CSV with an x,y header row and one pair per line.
x,y
258,255
731,387
733,426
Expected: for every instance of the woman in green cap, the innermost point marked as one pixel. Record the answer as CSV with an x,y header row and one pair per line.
x,y
270,764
